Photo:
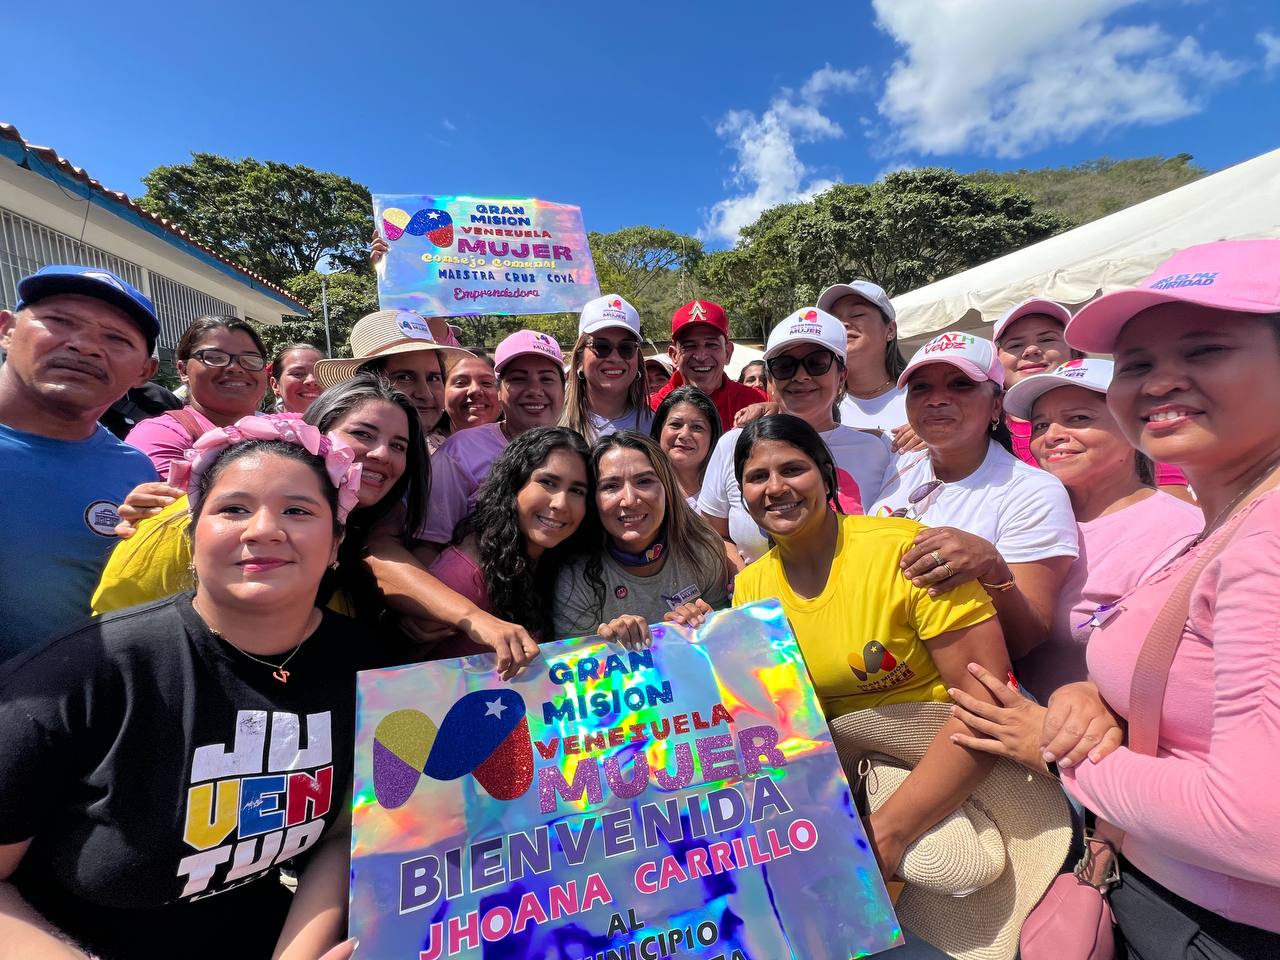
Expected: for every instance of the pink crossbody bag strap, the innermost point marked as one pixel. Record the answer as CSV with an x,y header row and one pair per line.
x,y
1151,671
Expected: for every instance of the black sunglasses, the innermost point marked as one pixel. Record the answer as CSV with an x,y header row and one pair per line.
x,y
815,364
252,362
604,348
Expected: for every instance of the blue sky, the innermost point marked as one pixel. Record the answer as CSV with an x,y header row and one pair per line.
x,y
693,116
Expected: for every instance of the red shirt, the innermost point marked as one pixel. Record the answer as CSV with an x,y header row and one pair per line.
x,y
730,397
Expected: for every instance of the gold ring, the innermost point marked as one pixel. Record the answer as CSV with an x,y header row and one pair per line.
x,y
950,573
937,559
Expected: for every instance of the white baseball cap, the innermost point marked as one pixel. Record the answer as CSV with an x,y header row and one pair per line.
x,y
865,289
1033,305
974,357
808,325
1092,373
608,311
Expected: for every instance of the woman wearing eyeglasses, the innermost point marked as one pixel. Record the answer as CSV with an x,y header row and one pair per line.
x,y
992,518
223,363
805,357
606,390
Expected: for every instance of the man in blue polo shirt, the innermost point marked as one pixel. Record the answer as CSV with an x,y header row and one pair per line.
x,y
78,340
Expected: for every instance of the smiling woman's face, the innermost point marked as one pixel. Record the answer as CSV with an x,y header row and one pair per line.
x,y
1032,344
1075,437
1198,388
631,499
948,410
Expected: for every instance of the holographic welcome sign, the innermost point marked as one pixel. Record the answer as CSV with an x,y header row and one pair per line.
x,y
457,256
611,804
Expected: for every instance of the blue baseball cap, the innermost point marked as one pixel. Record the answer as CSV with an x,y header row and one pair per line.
x,y
91,282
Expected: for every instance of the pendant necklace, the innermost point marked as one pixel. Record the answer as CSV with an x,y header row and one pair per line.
x,y
277,669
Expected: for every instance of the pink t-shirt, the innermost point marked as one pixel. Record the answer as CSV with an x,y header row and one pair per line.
x,y
1203,817
164,439
1116,552
459,573
457,470
1020,430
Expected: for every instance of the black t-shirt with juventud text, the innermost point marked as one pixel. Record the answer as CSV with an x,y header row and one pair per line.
x,y
156,766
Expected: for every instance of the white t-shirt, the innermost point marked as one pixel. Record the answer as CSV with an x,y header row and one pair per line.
x,y
885,412
862,461
1024,512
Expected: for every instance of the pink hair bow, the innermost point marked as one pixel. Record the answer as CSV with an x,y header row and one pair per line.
x,y
339,458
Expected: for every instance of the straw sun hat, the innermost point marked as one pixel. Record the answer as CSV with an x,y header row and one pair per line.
x,y
973,878
384,334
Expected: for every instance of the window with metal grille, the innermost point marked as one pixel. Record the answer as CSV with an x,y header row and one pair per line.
x,y
177,305
26,246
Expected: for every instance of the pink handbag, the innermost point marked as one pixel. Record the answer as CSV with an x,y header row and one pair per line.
x,y
1073,920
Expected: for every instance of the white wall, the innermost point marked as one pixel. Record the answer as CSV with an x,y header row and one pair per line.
x,y
37,198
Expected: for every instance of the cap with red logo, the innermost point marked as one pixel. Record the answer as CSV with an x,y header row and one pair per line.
x,y
1092,373
1242,276
974,357
808,325
1037,306
608,311
700,311
524,343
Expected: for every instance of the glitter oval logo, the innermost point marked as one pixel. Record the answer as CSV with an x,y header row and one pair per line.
x,y
435,225
485,734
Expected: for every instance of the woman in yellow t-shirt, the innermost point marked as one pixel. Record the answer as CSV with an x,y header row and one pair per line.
x,y
868,635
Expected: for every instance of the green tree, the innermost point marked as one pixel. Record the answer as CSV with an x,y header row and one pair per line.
x,y
351,295
1088,191
277,219
912,228
757,281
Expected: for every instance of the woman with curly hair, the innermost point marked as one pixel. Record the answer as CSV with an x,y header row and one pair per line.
x,y
533,511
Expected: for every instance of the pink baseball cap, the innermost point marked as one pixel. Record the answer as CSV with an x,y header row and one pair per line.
x,y
524,343
974,357
1239,275
1033,305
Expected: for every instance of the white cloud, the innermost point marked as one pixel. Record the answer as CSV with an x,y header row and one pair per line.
x,y
1271,49
1005,77
448,125
768,169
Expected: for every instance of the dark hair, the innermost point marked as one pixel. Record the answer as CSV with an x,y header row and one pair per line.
x,y
415,483
279,448
278,359
793,431
694,396
519,586
894,361
199,327
764,370
999,430
411,490
1145,469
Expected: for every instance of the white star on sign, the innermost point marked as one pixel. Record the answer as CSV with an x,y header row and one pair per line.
x,y
494,708
433,215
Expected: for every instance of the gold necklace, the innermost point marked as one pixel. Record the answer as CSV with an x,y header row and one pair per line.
x,y
277,669
1235,501
873,394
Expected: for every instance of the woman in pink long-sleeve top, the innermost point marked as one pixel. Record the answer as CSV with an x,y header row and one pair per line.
x,y
1197,384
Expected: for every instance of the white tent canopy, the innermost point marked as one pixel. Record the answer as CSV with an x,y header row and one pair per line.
x,y
1239,203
